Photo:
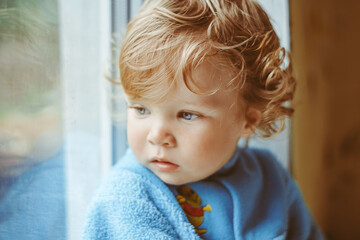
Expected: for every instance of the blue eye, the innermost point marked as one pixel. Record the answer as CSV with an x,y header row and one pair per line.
x,y
141,110
188,116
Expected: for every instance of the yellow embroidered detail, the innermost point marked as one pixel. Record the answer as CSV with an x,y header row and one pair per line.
x,y
190,202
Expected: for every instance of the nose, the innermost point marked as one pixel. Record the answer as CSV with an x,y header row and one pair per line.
x,y
158,135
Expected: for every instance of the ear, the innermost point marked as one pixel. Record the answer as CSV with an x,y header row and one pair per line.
x,y
252,120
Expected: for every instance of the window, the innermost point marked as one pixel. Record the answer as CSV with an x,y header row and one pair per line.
x,y
278,11
55,127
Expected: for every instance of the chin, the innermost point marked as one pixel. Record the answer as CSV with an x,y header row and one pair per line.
x,y
173,181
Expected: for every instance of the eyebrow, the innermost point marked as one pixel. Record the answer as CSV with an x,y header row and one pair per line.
x,y
197,103
203,103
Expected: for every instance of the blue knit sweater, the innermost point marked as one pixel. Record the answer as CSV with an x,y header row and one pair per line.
x,y
251,197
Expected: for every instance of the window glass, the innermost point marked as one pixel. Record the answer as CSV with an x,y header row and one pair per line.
x,y
122,11
32,186
55,134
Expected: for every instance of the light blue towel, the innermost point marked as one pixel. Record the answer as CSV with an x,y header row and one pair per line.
x,y
133,203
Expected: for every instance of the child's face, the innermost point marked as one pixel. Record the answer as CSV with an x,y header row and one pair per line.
x,y
187,137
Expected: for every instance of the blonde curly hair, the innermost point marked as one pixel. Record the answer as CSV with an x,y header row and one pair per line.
x,y
171,37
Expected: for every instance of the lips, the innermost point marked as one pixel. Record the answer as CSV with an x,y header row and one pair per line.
x,y
163,165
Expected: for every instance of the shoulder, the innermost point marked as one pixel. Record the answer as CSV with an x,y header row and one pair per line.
x,y
124,208
259,155
132,203
262,162
260,178
135,182
260,174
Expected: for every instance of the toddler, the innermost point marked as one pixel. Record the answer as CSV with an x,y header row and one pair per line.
x,y
198,75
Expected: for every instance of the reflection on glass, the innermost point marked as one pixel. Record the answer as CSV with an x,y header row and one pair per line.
x,y
31,162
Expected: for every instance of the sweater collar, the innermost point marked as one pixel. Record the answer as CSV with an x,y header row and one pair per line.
x,y
229,165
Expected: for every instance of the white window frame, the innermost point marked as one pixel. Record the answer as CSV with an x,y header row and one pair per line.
x,y
84,29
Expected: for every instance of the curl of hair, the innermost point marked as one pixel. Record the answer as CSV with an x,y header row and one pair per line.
x,y
171,38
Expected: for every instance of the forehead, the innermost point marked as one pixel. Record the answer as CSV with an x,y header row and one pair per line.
x,y
219,99
211,75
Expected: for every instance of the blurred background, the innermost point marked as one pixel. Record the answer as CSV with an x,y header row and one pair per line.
x,y
62,125
325,47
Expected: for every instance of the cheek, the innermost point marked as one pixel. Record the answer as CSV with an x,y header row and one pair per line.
x,y
213,142
206,142
136,135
